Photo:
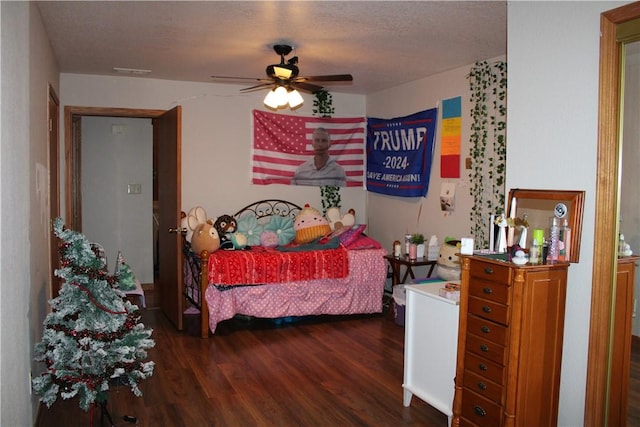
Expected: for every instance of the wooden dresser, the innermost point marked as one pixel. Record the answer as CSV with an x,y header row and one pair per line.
x,y
509,343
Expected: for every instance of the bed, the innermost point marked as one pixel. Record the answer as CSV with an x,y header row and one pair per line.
x,y
276,283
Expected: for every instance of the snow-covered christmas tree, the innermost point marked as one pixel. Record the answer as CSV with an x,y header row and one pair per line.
x,y
93,335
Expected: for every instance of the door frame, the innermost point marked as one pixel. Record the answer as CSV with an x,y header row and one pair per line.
x,y
72,143
54,186
605,230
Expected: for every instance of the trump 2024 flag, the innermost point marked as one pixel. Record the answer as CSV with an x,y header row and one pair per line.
x,y
400,153
283,142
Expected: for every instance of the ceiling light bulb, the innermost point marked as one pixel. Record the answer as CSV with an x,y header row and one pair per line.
x,y
295,99
271,100
281,96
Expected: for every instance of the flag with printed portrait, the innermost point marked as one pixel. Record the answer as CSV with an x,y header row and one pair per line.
x,y
283,142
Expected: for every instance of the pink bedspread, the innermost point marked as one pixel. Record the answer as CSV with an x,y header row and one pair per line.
x,y
359,292
268,265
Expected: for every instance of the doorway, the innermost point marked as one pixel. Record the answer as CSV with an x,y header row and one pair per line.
x,y
167,194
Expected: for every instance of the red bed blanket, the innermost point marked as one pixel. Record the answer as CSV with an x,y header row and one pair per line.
x,y
261,265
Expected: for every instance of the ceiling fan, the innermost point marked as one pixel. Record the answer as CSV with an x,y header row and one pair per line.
x,y
286,74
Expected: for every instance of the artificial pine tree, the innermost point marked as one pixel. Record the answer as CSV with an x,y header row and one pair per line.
x,y
93,335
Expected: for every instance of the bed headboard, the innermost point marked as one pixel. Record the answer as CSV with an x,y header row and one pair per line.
x,y
264,209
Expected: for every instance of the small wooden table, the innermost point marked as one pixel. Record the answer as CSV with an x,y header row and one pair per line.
x,y
397,262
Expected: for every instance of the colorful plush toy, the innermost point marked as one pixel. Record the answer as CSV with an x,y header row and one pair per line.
x,y
448,266
238,240
337,221
310,225
225,225
205,238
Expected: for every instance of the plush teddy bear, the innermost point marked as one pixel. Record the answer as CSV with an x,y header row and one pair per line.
x,y
336,221
226,225
448,266
309,225
205,238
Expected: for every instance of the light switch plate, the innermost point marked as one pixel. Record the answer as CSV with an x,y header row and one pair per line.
x,y
134,188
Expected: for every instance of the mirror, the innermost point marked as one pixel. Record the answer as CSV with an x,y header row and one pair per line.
x,y
539,206
598,387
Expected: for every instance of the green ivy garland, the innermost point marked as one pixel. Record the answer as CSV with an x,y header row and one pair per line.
x,y
323,107
488,85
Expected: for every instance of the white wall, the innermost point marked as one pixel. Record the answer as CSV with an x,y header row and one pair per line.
x,y
391,217
28,67
553,56
117,152
216,136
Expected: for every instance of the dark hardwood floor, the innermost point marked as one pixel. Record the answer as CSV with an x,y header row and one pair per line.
x,y
338,371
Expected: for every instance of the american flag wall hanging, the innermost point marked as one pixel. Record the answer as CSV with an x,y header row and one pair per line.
x,y
283,142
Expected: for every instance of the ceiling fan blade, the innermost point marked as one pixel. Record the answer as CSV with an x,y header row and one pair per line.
x,y
260,86
255,79
329,78
307,87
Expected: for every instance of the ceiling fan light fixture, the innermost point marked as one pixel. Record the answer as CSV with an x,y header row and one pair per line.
x,y
271,100
295,99
282,97
282,72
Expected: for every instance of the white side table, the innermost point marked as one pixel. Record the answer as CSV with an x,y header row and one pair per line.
x,y
430,346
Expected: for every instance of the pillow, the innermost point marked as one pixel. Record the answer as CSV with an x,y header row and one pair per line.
x,y
269,239
310,225
349,236
248,225
339,231
283,227
363,242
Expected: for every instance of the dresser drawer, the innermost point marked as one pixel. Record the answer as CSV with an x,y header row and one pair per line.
x,y
485,348
484,328
489,290
483,367
483,386
489,310
480,411
492,272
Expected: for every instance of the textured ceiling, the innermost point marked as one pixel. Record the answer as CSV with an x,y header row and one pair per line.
x,y
381,43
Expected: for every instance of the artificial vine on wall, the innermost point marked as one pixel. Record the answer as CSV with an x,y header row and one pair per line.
x,y
488,85
323,107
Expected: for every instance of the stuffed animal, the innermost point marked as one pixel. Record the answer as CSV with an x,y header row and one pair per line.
x,y
205,238
448,266
309,225
336,221
226,225
238,240
196,216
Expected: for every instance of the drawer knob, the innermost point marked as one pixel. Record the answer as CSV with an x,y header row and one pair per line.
x,y
484,348
487,290
486,309
482,386
481,412
485,329
488,270
483,367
